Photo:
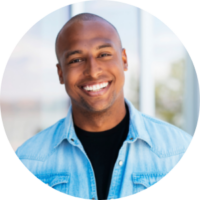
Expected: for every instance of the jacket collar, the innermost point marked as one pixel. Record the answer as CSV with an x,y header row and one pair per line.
x,y
137,128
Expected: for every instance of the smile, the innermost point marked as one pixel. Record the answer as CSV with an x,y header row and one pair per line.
x,y
98,92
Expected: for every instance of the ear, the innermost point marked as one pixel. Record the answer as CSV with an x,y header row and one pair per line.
x,y
124,59
60,74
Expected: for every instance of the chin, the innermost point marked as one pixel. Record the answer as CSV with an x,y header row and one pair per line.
x,y
98,106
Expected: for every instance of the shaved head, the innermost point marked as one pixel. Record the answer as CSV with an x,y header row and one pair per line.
x,y
81,18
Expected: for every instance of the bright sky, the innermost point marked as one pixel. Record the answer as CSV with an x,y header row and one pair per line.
x,y
31,71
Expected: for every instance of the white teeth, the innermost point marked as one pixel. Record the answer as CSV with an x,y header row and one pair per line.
x,y
96,87
105,84
87,88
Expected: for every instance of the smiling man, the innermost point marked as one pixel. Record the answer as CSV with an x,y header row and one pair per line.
x,y
104,148
91,65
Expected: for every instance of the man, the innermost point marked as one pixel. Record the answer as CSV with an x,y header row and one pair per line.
x,y
104,148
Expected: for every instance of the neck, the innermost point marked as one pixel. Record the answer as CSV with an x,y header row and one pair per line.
x,y
99,121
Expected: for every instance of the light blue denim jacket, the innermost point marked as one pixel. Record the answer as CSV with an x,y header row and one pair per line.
x,y
151,149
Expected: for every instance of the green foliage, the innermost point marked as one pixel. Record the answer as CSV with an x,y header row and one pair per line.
x,y
169,95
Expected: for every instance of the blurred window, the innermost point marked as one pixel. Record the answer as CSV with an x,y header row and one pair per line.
x,y
31,96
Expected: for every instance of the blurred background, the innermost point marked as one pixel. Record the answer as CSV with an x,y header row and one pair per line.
x,y
161,80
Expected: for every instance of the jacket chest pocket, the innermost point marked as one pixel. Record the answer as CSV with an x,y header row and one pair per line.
x,y
142,181
59,182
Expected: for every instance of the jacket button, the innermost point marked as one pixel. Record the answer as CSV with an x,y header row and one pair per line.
x,y
120,163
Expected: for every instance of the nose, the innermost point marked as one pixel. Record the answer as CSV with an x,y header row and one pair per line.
x,y
93,68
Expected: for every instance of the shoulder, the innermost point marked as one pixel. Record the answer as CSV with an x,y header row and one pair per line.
x,y
167,140
40,146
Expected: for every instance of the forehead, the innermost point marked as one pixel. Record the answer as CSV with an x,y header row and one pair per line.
x,y
86,33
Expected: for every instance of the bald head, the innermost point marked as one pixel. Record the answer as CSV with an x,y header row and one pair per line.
x,y
80,19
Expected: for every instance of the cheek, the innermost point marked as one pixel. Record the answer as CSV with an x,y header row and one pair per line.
x,y
120,81
70,79
118,72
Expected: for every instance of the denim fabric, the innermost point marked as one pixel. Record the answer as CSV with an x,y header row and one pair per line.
x,y
151,149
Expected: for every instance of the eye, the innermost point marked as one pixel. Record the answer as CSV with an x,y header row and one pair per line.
x,y
76,60
104,55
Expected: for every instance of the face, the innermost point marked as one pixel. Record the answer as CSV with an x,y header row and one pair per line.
x,y
91,65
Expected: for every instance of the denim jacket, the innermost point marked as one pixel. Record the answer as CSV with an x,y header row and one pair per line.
x,y
152,148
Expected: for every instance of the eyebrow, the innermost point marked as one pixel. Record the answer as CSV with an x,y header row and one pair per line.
x,y
104,46
73,52
70,53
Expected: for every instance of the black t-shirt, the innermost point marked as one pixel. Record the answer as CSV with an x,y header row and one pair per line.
x,y
102,150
